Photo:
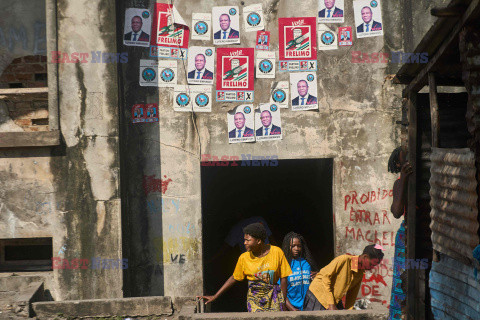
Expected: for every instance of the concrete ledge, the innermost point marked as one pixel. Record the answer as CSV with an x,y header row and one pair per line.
x,y
372,314
123,307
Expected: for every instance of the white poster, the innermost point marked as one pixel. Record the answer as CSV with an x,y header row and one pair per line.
x,y
201,65
368,18
330,11
201,26
327,39
253,18
280,93
201,98
268,124
241,124
303,86
137,28
265,64
158,73
182,100
225,25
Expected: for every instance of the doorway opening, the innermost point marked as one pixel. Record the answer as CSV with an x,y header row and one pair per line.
x,y
290,195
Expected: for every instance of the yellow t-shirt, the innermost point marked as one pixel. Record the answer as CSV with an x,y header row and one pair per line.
x,y
269,268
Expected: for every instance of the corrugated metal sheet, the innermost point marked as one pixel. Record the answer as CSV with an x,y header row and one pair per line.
x,y
454,203
454,291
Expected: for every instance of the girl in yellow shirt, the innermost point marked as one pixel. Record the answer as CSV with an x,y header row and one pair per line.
x,y
262,265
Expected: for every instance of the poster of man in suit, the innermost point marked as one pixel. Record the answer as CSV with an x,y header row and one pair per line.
x,y
201,65
226,25
241,124
268,124
303,86
137,28
330,11
368,18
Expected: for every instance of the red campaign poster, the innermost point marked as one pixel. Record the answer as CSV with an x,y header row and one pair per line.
x,y
235,73
345,36
138,113
145,113
169,39
298,44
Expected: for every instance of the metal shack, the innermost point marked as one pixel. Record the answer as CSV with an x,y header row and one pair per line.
x,y
443,142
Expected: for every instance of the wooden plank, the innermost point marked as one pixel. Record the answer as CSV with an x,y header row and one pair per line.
x,y
22,91
434,116
412,295
421,79
29,139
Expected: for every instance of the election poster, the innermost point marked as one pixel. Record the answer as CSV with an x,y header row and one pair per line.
x,y
253,18
330,11
235,74
137,28
201,98
303,87
158,73
225,25
268,124
171,34
142,113
345,36
241,124
298,44
138,115
280,93
182,100
263,40
327,39
265,64
151,112
368,18
201,65
201,26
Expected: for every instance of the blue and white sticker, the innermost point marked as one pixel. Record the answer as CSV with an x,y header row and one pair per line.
x,y
265,64
253,18
279,94
158,73
201,26
327,38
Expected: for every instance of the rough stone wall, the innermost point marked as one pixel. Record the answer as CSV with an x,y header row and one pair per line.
x,y
71,192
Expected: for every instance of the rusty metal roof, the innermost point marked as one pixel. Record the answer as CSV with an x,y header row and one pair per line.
x,y
454,202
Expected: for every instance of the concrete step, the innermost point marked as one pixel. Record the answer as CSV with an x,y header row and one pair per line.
x,y
379,313
19,303
122,307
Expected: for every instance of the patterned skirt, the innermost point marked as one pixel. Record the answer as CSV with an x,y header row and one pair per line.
x,y
398,296
262,297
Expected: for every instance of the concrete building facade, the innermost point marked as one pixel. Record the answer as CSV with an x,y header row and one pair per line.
x,y
100,186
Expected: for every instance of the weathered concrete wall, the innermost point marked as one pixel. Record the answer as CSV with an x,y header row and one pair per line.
x,y
355,125
71,192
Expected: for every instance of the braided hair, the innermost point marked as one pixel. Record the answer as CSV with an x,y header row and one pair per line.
x,y
394,161
305,254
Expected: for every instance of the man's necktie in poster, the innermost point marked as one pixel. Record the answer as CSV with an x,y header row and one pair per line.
x,y
268,124
265,64
298,44
241,124
253,18
303,86
226,25
137,27
201,65
280,94
235,73
192,98
158,73
201,26
171,34
368,18
330,11
327,38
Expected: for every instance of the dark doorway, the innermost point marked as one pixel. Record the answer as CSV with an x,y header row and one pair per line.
x,y
293,195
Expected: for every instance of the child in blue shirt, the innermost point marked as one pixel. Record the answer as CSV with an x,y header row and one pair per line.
x,y
301,262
